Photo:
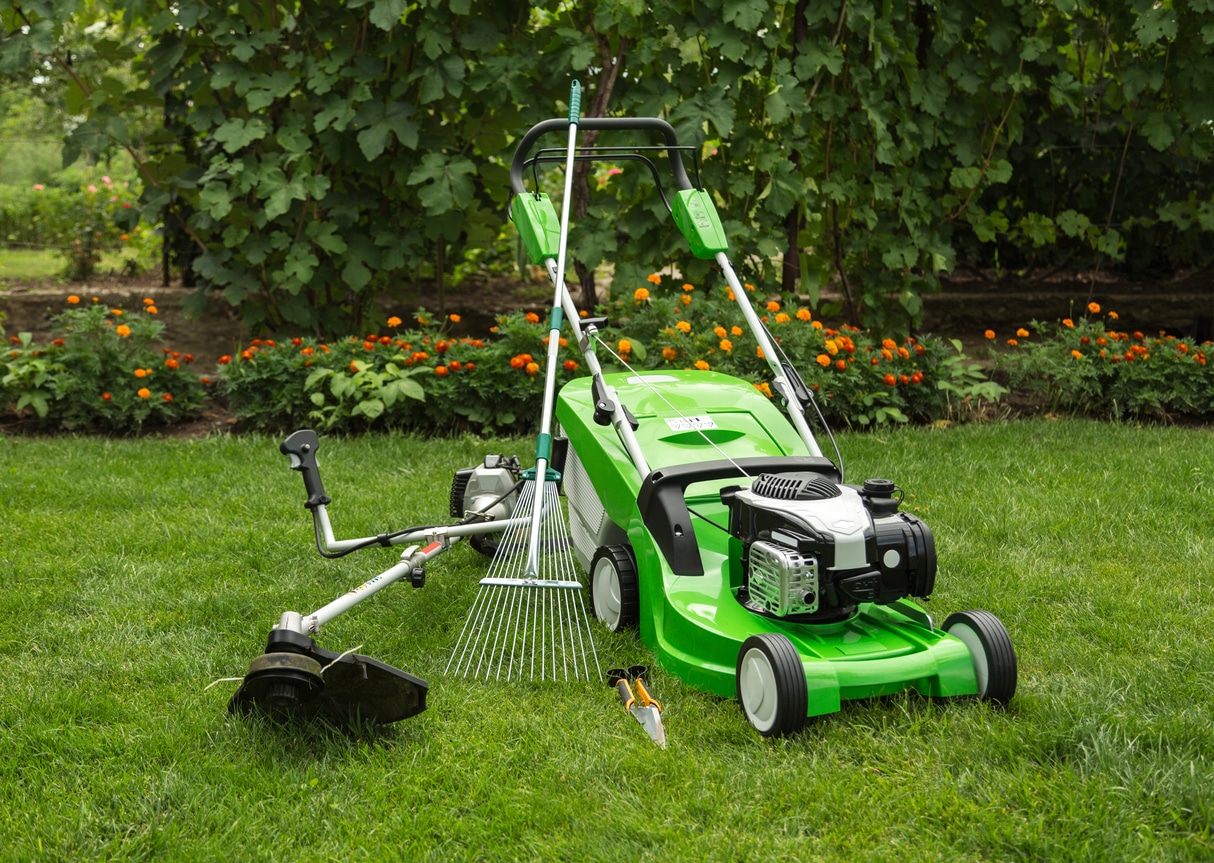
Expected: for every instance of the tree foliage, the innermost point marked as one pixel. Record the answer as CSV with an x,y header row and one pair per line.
x,y
322,151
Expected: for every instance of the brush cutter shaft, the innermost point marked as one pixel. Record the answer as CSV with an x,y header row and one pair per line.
x,y
410,561
796,411
455,531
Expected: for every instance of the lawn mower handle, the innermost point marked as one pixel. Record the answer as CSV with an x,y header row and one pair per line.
x,y
592,124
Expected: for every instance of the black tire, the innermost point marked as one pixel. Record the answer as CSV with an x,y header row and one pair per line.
x,y
771,685
483,543
991,649
613,587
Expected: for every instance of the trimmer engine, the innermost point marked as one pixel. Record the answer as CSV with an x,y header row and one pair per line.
x,y
489,489
812,549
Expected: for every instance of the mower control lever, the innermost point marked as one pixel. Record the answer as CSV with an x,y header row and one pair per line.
x,y
301,448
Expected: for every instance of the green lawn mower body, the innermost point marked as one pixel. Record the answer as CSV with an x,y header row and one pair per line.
x,y
697,623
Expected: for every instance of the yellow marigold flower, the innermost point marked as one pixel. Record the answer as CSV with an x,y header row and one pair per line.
x,y
654,278
729,294
1022,333
702,365
759,353
123,330
1094,308
687,286
823,360
685,299
832,347
803,315
1077,355
735,331
720,331
782,318
532,368
683,327
1068,323
144,393
726,345
669,354
394,321
624,346
73,299
990,334
141,373
764,388
817,325
640,294
773,306
748,286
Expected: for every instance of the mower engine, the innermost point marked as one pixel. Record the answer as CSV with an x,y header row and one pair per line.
x,y
812,549
488,490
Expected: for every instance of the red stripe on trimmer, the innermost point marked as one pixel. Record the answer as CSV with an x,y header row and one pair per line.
x,y
434,546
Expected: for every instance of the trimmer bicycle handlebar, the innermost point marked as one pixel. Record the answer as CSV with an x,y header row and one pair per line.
x,y
590,124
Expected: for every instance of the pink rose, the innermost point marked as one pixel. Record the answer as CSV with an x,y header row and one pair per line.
x,y
92,190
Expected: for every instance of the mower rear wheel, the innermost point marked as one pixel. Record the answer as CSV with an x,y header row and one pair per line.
x,y
991,649
771,685
613,587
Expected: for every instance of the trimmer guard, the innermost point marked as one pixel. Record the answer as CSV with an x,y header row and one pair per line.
x,y
695,623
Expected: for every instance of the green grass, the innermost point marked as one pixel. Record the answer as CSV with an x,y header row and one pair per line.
x,y
138,572
21,264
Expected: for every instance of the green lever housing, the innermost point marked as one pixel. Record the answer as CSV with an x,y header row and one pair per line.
x,y
696,216
538,225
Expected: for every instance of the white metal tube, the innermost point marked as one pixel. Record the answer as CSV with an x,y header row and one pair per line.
x,y
410,560
795,409
455,531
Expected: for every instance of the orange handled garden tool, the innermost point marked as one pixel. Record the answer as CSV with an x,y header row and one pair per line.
x,y
647,711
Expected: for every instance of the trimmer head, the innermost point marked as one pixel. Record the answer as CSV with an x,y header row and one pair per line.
x,y
296,678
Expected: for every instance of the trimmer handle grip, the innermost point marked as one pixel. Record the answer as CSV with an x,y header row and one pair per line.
x,y
301,448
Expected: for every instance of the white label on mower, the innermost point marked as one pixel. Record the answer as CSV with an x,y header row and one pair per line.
x,y
690,423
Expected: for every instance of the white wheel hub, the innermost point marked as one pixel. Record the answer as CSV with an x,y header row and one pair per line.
x,y
757,688
605,589
982,671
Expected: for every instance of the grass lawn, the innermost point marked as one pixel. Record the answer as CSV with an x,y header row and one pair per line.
x,y
138,572
20,264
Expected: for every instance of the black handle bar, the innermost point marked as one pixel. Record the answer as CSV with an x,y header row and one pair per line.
x,y
590,124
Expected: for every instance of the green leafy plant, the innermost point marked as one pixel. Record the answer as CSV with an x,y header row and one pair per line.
x,y
104,370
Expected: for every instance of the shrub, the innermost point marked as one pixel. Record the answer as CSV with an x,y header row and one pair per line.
x,y
1086,365
104,370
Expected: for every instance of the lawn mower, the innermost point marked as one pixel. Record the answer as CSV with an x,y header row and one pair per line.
x,y
699,511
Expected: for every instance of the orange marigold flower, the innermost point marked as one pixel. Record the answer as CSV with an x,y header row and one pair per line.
x,y
152,310
817,325
726,345
841,365
441,371
687,286
759,353
224,360
889,344
531,368
1012,343
383,340
683,327
832,347
748,286
14,354
803,315
1112,316
1183,348
517,362
1022,333
904,353
58,343
735,331
325,348
144,393
270,343
531,318
582,313
764,388
297,341
876,361
353,367
1068,323
1077,355
640,294
148,301
369,346
890,380
823,360
168,397
624,346
455,319
73,299
1094,308
916,378
394,321
903,379
669,354
116,312
123,330
990,335
105,397
719,331
702,365
729,295
920,350
1102,341
171,363
1138,335
654,278
773,306
442,346
422,322
782,318
1084,340
570,365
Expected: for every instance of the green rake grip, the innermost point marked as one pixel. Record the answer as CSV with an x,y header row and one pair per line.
x,y
575,102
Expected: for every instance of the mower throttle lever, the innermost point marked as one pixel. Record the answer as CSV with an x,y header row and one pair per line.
x,y
301,448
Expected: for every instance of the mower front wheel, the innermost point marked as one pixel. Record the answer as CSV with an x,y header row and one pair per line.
x,y
991,649
613,587
771,685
